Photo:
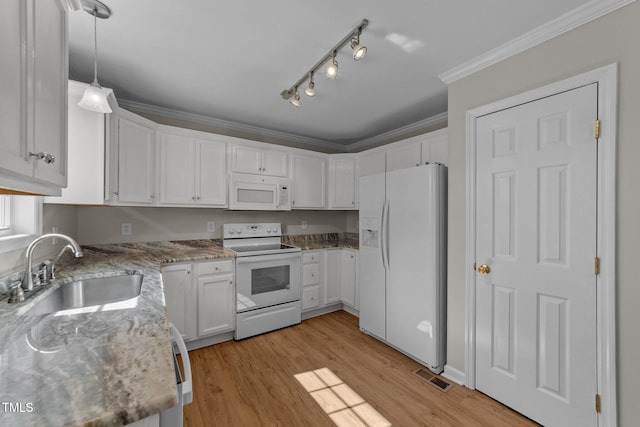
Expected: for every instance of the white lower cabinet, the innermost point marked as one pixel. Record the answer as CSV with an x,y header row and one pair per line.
x,y
349,278
333,275
200,297
329,276
216,297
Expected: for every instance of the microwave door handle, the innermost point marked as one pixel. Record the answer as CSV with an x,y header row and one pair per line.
x,y
187,384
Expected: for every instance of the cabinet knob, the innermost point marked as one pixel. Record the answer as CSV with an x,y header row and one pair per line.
x,y
188,271
152,196
198,198
116,193
293,202
193,197
417,164
231,282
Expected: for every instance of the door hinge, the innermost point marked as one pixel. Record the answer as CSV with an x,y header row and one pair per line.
x,y
598,403
597,129
596,266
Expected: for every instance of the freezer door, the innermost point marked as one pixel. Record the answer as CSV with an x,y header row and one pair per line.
x,y
415,288
372,273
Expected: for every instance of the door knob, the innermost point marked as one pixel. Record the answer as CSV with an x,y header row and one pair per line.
x,y
484,269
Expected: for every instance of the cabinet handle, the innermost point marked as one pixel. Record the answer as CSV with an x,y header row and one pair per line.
x,y
152,196
293,202
231,282
116,193
193,197
188,271
198,198
47,157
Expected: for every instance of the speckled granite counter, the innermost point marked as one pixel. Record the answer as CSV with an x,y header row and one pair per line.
x,y
322,241
95,367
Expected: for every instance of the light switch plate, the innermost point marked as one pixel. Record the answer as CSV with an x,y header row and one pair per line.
x,y
304,224
211,226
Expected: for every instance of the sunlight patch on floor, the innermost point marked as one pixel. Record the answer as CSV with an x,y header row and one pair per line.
x,y
343,405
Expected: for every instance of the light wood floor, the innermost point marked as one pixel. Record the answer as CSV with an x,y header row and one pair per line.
x,y
251,382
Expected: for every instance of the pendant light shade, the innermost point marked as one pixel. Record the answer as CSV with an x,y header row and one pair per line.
x,y
94,98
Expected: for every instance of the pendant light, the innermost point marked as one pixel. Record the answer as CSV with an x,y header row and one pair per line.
x,y
94,98
358,49
332,68
295,101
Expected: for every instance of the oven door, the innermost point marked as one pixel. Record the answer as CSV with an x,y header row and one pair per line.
x,y
266,280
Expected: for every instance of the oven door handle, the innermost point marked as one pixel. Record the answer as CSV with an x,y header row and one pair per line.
x,y
269,257
187,384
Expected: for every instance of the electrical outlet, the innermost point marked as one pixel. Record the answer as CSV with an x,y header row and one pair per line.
x,y
304,224
211,226
126,229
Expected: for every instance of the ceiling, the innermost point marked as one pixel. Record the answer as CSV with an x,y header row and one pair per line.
x,y
229,60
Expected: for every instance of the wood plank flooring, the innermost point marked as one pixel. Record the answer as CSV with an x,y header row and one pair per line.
x,y
252,383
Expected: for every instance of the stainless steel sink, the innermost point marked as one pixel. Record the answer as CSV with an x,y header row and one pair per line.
x,y
90,292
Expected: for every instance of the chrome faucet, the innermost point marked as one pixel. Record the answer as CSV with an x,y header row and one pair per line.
x,y
27,280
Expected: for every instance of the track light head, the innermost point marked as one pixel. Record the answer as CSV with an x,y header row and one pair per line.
x,y
310,90
332,68
295,101
358,50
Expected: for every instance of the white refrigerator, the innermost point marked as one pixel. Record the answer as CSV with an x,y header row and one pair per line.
x,y
403,261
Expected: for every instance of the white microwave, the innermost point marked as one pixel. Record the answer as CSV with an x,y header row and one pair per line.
x,y
258,192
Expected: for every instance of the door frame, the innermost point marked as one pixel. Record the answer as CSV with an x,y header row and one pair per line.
x,y
607,79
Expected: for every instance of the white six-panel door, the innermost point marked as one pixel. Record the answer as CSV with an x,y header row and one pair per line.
x,y
536,233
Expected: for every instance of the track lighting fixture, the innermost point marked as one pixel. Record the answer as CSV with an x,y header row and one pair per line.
x,y
295,101
331,70
311,89
94,98
358,49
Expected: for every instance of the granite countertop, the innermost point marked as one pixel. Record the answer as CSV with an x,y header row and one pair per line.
x,y
322,241
110,365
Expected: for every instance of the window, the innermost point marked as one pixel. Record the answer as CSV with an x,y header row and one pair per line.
x,y
20,221
5,216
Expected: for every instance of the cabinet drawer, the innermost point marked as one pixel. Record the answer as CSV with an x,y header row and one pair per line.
x,y
310,274
216,267
310,257
310,297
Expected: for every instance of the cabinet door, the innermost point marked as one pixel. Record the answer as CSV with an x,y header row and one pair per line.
x,y
13,87
403,157
176,281
275,163
50,90
177,157
333,276
372,163
135,163
216,295
436,149
309,179
310,297
246,160
211,173
343,183
348,278
310,274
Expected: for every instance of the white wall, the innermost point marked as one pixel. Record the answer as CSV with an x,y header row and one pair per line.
x,y
63,217
103,224
612,38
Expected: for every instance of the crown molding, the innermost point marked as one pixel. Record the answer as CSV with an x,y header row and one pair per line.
x,y
564,23
416,127
229,125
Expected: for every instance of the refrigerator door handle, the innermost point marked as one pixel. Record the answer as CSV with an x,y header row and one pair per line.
x,y
384,234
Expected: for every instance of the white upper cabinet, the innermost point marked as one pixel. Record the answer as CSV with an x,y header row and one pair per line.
x,y
435,147
342,183
309,182
192,171
403,156
372,162
33,114
259,162
135,168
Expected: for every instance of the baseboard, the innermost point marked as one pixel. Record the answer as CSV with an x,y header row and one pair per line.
x,y
320,311
453,374
351,310
205,342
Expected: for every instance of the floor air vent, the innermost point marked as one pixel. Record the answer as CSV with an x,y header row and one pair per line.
x,y
432,379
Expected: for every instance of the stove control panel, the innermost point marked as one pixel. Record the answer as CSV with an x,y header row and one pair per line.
x,y
239,231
